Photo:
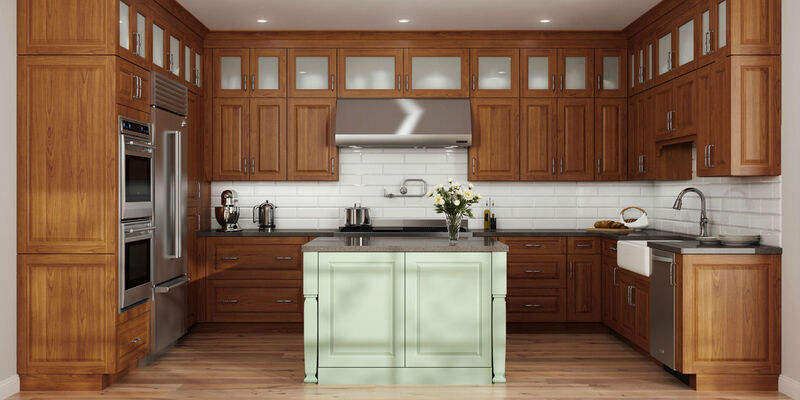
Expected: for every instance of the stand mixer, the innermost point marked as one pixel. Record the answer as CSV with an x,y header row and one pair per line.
x,y
228,213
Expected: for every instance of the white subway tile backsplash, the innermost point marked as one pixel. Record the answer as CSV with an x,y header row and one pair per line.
x,y
735,205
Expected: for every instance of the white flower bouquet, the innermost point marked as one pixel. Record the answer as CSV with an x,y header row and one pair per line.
x,y
454,202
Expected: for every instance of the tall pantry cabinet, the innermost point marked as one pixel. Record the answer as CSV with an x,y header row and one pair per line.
x,y
81,63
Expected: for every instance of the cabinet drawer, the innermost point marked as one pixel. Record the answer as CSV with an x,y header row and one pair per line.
x,y
542,305
577,245
534,245
610,249
545,271
133,338
249,261
254,301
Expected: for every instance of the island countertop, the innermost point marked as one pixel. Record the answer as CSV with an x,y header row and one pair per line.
x,y
402,244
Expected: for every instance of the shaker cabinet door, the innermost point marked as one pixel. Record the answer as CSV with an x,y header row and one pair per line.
x,y
230,139
312,154
267,139
494,154
440,334
363,293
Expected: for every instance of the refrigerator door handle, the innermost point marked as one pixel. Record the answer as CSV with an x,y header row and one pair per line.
x,y
176,211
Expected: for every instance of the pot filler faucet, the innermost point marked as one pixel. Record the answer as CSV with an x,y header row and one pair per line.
x,y
703,218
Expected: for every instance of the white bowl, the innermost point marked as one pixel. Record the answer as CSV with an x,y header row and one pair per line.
x,y
739,240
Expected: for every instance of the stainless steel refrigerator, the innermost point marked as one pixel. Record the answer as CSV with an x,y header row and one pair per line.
x,y
170,279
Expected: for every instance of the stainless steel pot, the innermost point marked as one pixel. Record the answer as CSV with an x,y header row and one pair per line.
x,y
357,216
264,215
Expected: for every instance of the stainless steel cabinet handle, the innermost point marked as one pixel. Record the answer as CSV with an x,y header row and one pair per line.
x,y
584,245
599,168
333,172
537,245
284,301
407,89
599,83
554,83
283,258
629,294
644,163
614,276
706,43
198,221
333,83
571,271
245,165
252,83
561,166
533,305
533,271
198,189
614,249
136,43
633,299
554,162
473,83
399,83
230,258
244,85
711,155
640,164
711,48
561,85
230,301
253,166
136,340
473,166
705,156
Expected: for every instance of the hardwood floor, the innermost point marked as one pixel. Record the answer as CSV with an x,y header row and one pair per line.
x,y
248,361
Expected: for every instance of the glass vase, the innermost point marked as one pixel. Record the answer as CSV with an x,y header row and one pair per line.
x,y
453,227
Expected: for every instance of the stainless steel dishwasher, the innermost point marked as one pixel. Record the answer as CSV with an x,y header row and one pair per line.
x,y
662,307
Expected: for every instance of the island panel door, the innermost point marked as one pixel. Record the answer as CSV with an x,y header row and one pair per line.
x,y
361,310
448,310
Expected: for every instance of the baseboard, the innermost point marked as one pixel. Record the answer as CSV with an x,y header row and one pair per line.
x,y
9,386
789,387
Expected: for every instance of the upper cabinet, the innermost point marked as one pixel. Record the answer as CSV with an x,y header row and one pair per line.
x,y
494,154
249,73
312,73
565,73
436,73
158,48
611,72
370,73
133,32
495,72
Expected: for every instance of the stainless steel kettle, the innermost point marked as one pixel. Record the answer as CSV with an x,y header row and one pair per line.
x,y
264,215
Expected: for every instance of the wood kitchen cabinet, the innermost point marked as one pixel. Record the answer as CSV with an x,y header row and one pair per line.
x,y
437,73
741,27
611,139
575,139
133,86
675,108
133,35
611,73
195,143
195,268
312,72
563,73
370,73
312,151
495,72
250,141
494,154
250,73
584,301
537,142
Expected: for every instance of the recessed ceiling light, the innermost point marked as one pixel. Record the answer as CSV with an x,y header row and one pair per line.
x,y
544,21
261,21
403,20
301,72
501,72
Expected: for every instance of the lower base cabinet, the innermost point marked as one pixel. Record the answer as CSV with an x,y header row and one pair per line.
x,y
404,317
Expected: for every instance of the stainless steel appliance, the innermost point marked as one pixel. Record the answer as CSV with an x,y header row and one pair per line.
x,y
135,261
403,123
356,216
228,213
662,307
135,169
168,118
264,215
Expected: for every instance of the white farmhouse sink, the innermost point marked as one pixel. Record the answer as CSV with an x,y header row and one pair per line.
x,y
634,255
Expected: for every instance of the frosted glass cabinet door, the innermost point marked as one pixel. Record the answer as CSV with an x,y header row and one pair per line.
x,y
370,73
231,72
495,73
361,310
611,74
125,26
436,73
187,62
686,40
174,56
576,73
140,35
312,72
448,309
158,46
198,68
539,70
268,72
665,54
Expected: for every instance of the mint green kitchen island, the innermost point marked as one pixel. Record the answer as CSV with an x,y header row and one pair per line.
x,y
401,310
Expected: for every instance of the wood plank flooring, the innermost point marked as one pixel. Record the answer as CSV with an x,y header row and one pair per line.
x,y
233,362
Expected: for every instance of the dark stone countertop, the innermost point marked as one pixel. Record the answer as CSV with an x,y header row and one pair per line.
x,y
269,233
695,247
646,234
402,244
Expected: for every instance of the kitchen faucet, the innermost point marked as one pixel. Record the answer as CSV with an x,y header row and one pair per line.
x,y
703,217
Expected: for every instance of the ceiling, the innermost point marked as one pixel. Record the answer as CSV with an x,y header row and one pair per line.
x,y
422,14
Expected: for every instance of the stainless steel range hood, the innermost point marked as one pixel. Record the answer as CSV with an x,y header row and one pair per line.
x,y
403,123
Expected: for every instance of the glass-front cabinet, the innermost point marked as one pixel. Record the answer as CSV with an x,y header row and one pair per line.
x,y
539,69
312,72
248,72
198,69
133,28
370,72
268,72
566,72
611,72
436,73
576,69
159,48
664,55
686,38
231,72
495,72
174,56
187,63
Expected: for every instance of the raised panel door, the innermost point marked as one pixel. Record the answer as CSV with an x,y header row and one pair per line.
x,y
312,152
615,308
231,127
194,267
625,311
611,72
312,72
436,73
753,27
584,289
67,183
539,71
268,72
641,300
660,116
370,72
607,291
611,122
133,86
575,139
67,313
537,142
634,137
494,154
267,139
684,115
361,310
647,132
89,27
231,72
705,119
576,73
495,72
438,334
